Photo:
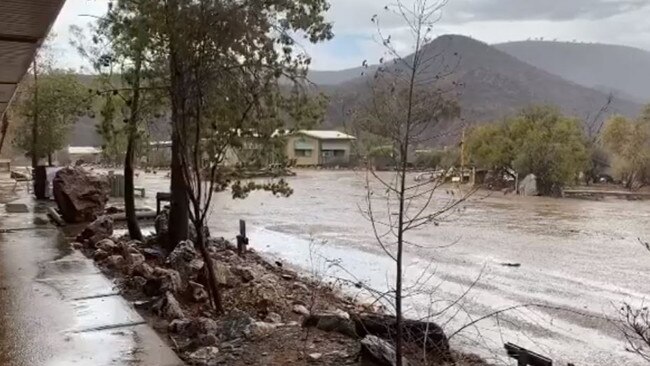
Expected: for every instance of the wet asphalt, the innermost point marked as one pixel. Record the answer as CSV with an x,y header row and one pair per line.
x,y
57,309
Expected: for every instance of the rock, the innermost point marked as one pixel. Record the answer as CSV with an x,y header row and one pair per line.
x,y
300,286
300,309
179,326
138,281
379,351
114,261
168,307
223,275
265,295
163,280
313,357
185,259
106,245
203,325
100,255
528,186
217,244
143,269
136,259
100,229
80,196
262,329
153,253
331,322
197,292
288,276
203,340
341,313
203,356
77,245
273,318
429,334
237,325
245,273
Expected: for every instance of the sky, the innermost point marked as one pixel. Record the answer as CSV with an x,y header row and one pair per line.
x,y
623,22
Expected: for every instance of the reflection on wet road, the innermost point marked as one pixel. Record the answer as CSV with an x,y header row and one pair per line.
x,y
57,309
579,259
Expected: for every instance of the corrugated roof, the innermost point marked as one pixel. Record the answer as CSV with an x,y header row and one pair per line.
x,y
327,135
23,26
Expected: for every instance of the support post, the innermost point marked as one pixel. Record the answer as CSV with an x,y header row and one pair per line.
x,y
242,240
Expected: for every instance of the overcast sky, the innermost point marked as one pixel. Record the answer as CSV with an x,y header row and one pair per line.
x,y
624,22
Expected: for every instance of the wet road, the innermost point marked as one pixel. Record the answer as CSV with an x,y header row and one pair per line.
x,y
580,259
56,309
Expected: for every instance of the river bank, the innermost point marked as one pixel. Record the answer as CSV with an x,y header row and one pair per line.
x,y
578,255
275,316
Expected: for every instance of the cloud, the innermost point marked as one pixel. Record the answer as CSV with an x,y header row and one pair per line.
x,y
606,21
551,10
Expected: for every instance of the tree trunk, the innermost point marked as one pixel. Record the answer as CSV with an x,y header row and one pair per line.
x,y
129,196
212,282
49,159
179,211
4,129
35,119
129,186
178,214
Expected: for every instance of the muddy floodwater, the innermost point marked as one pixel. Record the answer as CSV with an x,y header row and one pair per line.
x,y
574,261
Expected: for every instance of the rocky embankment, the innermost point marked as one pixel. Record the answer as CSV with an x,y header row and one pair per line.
x,y
273,315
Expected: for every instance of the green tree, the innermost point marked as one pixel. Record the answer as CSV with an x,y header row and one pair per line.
x,y
629,143
111,128
56,100
539,141
490,147
122,53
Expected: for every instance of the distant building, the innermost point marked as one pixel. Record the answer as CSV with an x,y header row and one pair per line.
x,y
72,154
319,148
306,147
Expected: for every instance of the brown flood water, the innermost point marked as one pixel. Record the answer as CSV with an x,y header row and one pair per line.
x,y
579,259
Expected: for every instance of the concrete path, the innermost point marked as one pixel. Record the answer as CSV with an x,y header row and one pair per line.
x,y
57,309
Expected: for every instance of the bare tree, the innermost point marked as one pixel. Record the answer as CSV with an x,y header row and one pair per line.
x,y
410,95
634,324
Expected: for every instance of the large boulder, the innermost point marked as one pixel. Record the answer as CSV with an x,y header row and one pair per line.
x,y
80,196
528,186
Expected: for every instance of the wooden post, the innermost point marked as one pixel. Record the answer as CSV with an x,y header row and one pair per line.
x,y
242,240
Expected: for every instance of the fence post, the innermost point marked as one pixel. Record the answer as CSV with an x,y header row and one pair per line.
x,y
242,240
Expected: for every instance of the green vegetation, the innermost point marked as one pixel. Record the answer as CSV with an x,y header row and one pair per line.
x,y
54,103
539,141
629,143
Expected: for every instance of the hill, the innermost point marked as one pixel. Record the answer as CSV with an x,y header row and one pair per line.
x,y
618,69
494,84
